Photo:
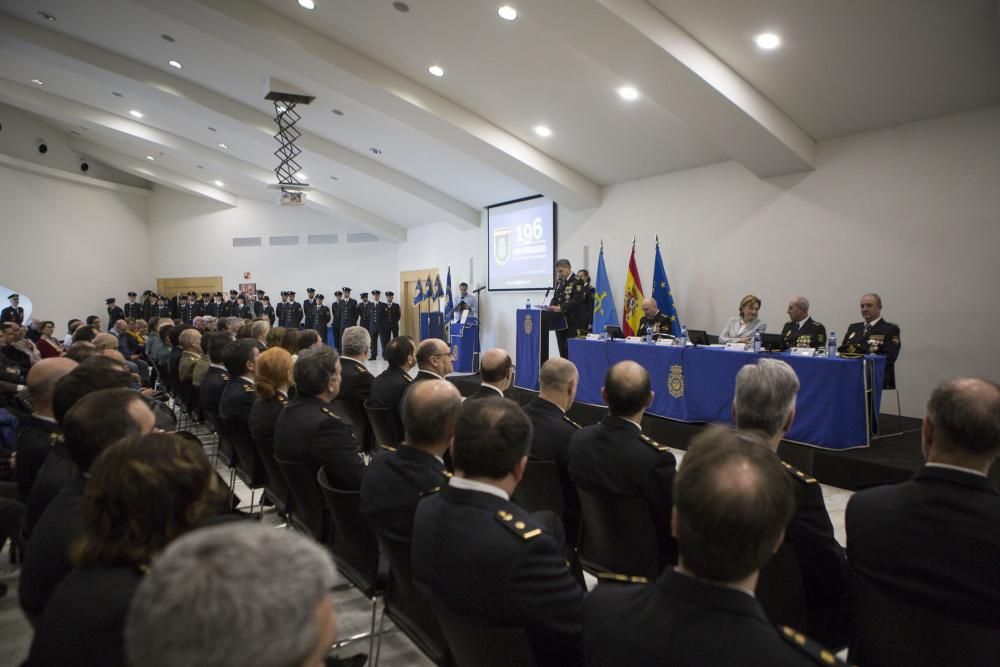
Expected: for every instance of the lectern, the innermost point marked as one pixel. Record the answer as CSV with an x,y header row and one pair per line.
x,y
464,345
533,327
431,325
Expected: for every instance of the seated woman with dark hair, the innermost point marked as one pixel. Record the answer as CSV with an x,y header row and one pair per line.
x,y
48,345
142,493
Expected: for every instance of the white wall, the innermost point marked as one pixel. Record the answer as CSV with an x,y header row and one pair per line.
x,y
190,236
69,246
911,212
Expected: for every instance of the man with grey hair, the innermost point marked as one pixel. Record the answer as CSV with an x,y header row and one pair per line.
x,y
801,330
764,405
259,331
190,340
235,594
355,380
309,431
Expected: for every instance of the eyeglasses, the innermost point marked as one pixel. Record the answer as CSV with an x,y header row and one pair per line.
x,y
450,353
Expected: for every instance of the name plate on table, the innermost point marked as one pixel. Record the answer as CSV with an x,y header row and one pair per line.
x,y
666,342
739,347
635,339
803,351
593,336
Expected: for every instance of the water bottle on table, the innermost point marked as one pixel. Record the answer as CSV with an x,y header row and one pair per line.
x,y
684,336
756,340
831,345
528,304
649,334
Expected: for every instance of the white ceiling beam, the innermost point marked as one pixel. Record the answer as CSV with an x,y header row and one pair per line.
x,y
71,177
674,70
172,89
321,59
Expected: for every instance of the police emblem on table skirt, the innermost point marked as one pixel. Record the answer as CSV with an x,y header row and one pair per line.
x,y
527,323
675,381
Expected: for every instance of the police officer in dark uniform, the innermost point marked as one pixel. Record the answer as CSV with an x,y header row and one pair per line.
x,y
388,387
802,330
163,308
308,430
115,313
214,307
335,317
217,377
14,312
239,393
569,299
293,312
148,304
279,309
616,458
383,328
373,325
242,309
229,305
132,309
394,316
198,307
364,312
653,319
584,275
348,311
309,308
267,309
874,335
322,316
185,312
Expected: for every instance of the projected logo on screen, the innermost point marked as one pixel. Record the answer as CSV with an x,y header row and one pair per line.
x,y
522,244
501,246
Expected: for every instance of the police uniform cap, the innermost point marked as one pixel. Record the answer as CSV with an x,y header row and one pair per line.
x,y
192,293
291,292
375,291
389,294
346,289
204,294
14,296
338,293
261,292
364,295
218,294
320,296
132,294
109,301
284,293
232,291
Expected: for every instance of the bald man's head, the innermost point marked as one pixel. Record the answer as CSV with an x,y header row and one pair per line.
x,y
434,355
626,389
105,341
42,380
649,307
558,380
430,409
495,366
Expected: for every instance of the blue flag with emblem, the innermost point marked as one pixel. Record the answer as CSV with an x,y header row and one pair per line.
x,y
438,290
661,292
449,304
604,301
419,296
429,288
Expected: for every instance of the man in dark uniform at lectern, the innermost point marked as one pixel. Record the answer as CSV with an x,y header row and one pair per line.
x,y
802,330
874,336
570,299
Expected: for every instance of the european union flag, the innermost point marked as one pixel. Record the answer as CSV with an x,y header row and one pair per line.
x,y
661,292
419,296
604,301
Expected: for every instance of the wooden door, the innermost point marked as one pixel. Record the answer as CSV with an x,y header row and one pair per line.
x,y
170,287
410,324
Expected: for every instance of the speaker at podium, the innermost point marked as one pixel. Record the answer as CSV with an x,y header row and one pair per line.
x,y
533,327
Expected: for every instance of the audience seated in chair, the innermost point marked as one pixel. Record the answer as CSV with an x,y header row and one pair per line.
x,y
388,387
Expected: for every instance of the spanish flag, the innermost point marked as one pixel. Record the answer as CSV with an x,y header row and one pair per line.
x,y
633,297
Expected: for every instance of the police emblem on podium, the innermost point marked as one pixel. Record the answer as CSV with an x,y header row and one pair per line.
x,y
675,381
527,323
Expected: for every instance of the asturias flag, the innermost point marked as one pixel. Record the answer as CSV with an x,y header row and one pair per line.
x,y
604,301
633,297
661,292
419,296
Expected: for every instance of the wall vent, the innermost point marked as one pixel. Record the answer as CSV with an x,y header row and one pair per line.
x,y
283,240
322,239
362,237
246,242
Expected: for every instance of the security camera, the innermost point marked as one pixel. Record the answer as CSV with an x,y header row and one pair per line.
x,y
84,166
43,147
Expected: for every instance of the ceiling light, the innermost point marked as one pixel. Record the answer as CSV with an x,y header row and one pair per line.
x,y
767,41
334,178
436,70
37,82
302,176
401,7
543,131
507,13
47,16
135,114
375,151
212,129
282,108
199,166
628,93
174,64
307,4
223,146
219,183
150,158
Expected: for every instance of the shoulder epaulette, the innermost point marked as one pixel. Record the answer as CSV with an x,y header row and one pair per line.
x,y
225,377
798,474
282,399
407,378
571,422
517,527
331,413
249,388
388,448
623,578
809,647
430,491
653,443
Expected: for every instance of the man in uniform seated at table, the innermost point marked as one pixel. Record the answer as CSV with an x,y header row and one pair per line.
x,y
874,335
802,330
655,318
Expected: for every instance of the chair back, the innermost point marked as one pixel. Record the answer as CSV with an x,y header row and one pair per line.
x,y
226,450
408,608
355,549
540,488
249,467
618,535
308,512
383,423
277,486
892,632
354,412
781,590
486,646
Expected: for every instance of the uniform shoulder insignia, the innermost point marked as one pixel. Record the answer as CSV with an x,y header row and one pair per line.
x,y
799,475
571,422
517,526
653,443
282,399
249,388
225,377
622,578
331,413
430,491
407,378
813,649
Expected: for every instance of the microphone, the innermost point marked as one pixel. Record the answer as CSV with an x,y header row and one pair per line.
x,y
547,290
477,291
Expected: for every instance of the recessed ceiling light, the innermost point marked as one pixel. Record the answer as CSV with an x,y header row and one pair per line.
x,y
223,146
337,112
401,7
37,82
628,93
219,183
767,41
543,131
307,4
281,108
135,114
168,38
199,166
302,176
436,70
47,16
174,64
507,13
376,151
150,158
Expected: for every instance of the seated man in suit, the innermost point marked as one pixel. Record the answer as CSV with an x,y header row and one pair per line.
x,y
308,430
764,405
874,335
933,541
552,431
396,481
216,377
389,385
434,359
801,330
355,379
479,557
731,504
240,358
615,458
497,371
39,431
653,319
